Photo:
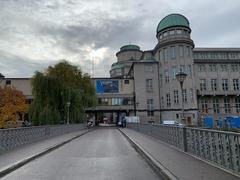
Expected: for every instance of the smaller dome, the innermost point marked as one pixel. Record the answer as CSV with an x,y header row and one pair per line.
x,y
172,20
117,66
130,47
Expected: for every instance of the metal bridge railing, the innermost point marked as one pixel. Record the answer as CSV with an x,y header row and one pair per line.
x,y
14,137
218,147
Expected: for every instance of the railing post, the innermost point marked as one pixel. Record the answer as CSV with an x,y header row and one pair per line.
x,y
185,139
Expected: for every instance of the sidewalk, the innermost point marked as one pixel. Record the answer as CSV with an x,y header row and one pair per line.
x,y
10,160
174,162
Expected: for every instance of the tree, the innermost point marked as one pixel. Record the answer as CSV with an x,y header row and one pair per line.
x,y
13,106
55,88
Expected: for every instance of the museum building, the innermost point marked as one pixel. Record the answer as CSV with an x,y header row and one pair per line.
x,y
147,83
211,87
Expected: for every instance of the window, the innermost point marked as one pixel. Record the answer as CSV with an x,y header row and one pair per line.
x,y
126,81
161,78
162,102
179,31
168,99
227,105
166,76
201,68
213,67
173,52
165,34
150,113
191,94
237,104
165,54
172,32
150,107
8,82
236,84
174,72
177,116
167,79
127,101
188,51
182,68
149,85
225,84
223,67
203,86
160,55
181,51
213,84
175,93
189,70
149,104
234,67
103,101
148,68
204,105
216,108
184,95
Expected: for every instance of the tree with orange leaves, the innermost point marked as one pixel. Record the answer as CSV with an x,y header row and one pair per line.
x,y
12,106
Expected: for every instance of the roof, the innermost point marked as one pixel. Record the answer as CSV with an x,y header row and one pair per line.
x,y
172,20
117,65
200,49
130,47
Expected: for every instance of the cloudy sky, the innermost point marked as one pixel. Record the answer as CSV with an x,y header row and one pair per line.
x,y
37,33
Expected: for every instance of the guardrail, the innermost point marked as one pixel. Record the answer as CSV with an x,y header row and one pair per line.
x,y
218,147
14,137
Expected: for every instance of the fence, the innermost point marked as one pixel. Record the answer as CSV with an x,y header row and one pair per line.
x,y
218,147
14,137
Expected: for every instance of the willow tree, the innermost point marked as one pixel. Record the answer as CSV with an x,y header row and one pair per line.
x,y
57,87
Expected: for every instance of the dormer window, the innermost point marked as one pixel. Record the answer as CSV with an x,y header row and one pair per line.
x,y
179,31
172,32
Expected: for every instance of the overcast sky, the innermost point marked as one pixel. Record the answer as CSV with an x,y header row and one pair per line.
x,y
37,33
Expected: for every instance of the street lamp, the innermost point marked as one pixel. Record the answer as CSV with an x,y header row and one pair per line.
x,y
68,105
181,76
134,103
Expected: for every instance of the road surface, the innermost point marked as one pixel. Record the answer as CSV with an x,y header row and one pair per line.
x,y
102,154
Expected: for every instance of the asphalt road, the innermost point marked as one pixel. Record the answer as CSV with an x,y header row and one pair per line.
x,y
102,154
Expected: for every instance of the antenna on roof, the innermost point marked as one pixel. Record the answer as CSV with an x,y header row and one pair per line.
x,y
93,67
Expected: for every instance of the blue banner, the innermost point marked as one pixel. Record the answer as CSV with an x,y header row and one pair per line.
x,y
107,86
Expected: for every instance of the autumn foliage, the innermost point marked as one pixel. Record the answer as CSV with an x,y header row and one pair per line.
x,y
12,106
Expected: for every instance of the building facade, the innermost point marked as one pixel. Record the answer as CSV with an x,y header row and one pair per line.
x,y
212,84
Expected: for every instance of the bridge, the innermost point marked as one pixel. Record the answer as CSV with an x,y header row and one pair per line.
x,y
140,151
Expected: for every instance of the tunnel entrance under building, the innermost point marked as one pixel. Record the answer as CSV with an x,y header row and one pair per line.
x,y
106,117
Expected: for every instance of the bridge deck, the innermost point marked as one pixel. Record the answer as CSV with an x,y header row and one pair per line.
x,y
105,154
101,154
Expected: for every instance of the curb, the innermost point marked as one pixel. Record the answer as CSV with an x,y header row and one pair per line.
x,y
16,165
160,170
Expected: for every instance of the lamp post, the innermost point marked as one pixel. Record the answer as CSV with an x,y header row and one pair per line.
x,y
68,105
134,103
181,76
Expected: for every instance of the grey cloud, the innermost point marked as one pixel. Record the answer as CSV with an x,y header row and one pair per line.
x,y
71,25
12,65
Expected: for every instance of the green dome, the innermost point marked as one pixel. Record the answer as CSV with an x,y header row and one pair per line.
x,y
117,65
171,21
130,47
